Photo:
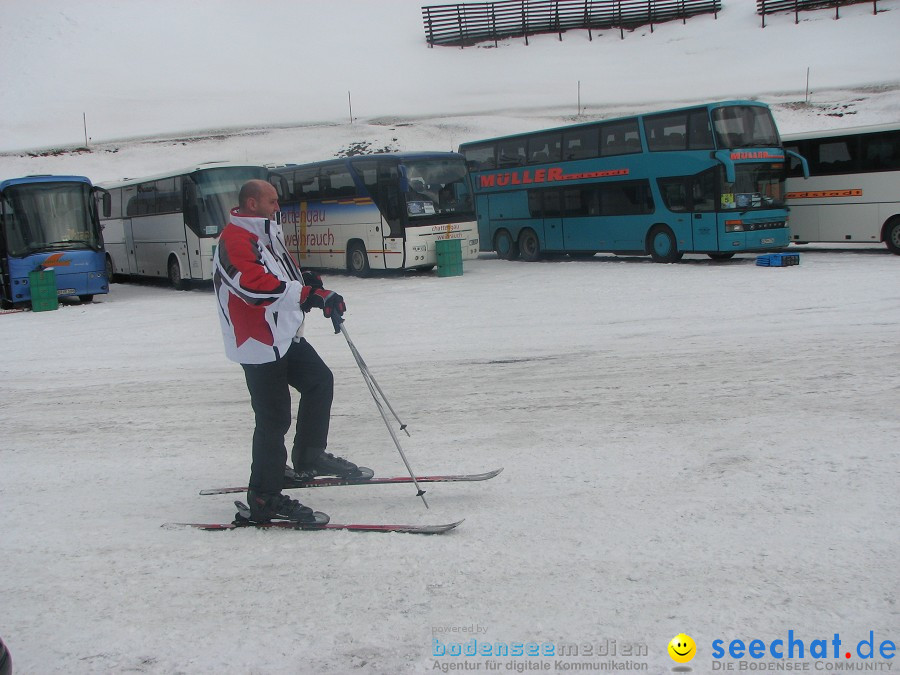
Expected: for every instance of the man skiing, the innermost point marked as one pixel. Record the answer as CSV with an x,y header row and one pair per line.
x,y
263,297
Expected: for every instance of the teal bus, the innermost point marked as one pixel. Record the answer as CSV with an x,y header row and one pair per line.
x,y
704,179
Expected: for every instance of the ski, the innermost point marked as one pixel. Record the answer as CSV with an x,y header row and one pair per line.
x,y
394,480
287,525
239,524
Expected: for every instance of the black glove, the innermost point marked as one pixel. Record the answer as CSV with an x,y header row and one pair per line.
x,y
329,302
312,279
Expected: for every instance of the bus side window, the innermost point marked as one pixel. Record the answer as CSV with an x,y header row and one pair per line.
x,y
481,157
306,185
581,143
620,138
881,152
511,153
835,156
544,148
674,193
703,191
699,130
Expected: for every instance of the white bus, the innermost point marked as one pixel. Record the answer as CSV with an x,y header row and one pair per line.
x,y
376,212
168,225
852,194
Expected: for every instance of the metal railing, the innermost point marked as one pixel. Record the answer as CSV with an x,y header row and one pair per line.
x,y
470,23
764,7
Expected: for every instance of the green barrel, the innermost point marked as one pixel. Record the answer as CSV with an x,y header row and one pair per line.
x,y
449,258
43,290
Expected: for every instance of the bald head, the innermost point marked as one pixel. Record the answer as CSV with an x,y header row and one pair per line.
x,y
258,198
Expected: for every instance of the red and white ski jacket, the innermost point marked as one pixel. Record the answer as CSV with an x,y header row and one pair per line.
x,y
258,287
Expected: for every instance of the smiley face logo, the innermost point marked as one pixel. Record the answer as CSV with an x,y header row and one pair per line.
x,y
682,648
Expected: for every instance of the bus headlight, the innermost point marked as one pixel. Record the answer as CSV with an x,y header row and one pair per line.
x,y
734,226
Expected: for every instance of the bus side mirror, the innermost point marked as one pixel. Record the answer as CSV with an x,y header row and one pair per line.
x,y
724,156
801,159
105,200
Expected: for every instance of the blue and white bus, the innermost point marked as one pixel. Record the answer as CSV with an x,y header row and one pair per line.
x,y
705,179
50,222
376,212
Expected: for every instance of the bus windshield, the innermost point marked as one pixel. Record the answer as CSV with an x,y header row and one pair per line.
x,y
437,187
756,186
744,126
217,194
49,216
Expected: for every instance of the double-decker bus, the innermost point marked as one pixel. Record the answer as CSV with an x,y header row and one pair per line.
x,y
168,225
853,191
50,222
705,179
376,212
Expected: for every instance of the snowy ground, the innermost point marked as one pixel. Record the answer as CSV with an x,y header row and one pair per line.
x,y
703,448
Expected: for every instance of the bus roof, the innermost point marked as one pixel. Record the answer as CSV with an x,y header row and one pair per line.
x,y
122,182
418,154
43,178
715,104
846,131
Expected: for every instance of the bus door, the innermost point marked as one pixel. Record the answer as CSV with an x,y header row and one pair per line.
x,y
129,201
482,213
553,223
704,219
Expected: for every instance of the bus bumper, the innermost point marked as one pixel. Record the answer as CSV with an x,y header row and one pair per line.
x,y
76,283
759,238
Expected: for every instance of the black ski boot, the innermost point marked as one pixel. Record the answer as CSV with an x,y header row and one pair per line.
x,y
266,507
321,463
294,479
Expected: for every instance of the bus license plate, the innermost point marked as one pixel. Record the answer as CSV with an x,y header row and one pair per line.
x,y
66,291
769,240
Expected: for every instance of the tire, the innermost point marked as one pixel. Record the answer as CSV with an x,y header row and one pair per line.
x,y
529,246
358,260
174,270
86,298
721,256
110,270
661,245
892,235
505,245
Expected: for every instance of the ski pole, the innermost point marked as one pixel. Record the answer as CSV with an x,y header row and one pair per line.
x,y
375,390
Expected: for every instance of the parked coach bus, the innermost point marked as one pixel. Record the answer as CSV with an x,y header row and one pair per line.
x,y
50,222
853,193
706,179
376,212
168,225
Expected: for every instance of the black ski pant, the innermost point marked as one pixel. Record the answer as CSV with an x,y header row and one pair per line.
x,y
269,384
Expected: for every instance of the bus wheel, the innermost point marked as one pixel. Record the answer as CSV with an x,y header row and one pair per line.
x,y
86,298
662,246
175,274
505,246
529,246
892,235
721,256
110,270
358,260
